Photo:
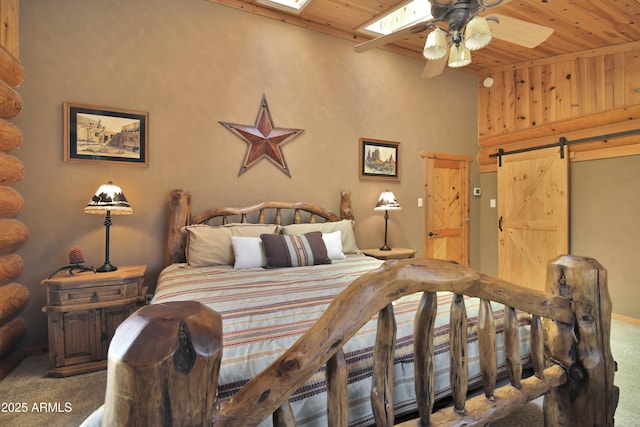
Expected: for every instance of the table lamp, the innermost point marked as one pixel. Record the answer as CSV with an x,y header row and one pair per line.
x,y
109,199
387,202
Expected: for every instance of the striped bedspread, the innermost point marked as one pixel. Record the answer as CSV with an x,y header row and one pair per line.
x,y
265,311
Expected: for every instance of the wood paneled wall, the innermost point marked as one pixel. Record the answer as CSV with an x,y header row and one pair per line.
x,y
9,30
592,93
13,234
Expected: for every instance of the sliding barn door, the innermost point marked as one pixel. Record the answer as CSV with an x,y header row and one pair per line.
x,y
533,212
447,207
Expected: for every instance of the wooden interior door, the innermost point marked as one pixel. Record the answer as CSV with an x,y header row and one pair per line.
x,y
447,207
533,212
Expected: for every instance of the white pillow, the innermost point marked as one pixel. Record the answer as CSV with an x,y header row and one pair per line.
x,y
249,252
333,242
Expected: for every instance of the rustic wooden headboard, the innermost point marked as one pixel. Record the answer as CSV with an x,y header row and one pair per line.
x,y
261,213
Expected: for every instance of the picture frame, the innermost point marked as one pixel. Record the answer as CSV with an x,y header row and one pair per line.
x,y
379,159
105,135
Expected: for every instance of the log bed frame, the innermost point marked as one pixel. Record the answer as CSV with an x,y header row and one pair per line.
x,y
166,367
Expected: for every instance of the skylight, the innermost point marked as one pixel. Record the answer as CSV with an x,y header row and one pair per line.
x,y
408,14
294,6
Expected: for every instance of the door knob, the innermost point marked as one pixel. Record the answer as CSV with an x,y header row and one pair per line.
x,y
431,234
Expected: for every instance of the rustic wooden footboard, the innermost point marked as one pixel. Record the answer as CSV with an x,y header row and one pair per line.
x,y
570,328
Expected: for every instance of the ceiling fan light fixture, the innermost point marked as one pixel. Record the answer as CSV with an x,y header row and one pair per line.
x,y
459,56
477,34
436,45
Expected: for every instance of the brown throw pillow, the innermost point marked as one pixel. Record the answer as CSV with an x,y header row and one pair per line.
x,y
295,250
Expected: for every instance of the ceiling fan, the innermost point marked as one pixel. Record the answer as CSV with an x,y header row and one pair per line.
x,y
458,28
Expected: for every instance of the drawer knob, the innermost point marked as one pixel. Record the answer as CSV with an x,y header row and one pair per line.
x,y
95,297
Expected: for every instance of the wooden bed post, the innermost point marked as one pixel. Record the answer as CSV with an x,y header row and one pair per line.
x,y
589,397
346,212
164,362
179,216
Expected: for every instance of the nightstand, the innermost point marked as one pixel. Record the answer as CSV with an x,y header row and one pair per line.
x,y
394,253
83,311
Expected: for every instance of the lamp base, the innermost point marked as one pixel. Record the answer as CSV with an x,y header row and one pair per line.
x,y
106,267
385,247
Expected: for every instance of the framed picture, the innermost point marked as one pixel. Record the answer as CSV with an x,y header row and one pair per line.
x,y
105,135
379,159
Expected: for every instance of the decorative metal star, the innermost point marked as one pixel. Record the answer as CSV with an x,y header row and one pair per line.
x,y
264,139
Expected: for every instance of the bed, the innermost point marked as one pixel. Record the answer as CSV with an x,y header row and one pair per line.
x,y
240,334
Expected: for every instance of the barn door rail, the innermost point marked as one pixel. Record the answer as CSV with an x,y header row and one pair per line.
x,y
561,143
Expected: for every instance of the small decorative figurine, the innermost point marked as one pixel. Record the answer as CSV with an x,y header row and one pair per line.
x,y
76,258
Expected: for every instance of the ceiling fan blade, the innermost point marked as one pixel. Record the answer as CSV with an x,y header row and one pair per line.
x,y
434,67
392,37
517,31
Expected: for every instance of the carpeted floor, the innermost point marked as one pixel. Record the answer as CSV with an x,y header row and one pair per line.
x,y
29,398
38,400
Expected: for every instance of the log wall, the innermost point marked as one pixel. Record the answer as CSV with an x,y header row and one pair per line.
x,y
13,234
579,95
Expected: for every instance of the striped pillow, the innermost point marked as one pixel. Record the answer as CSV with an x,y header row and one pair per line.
x,y
295,250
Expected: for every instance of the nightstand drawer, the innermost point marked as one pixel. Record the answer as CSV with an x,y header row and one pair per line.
x,y
90,295
88,288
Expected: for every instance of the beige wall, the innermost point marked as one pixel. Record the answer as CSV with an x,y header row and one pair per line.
x,y
604,207
191,64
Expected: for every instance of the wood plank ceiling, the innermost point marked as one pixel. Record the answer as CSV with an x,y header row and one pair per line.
x,y
580,26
